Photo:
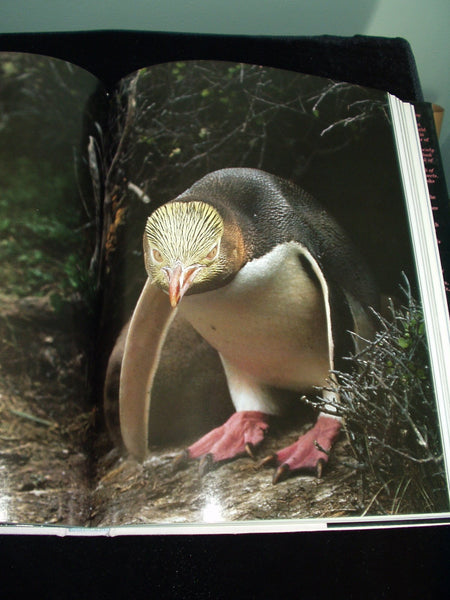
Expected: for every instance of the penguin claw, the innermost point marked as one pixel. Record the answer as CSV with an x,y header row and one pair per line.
x,y
180,460
280,473
249,448
283,471
268,461
319,468
205,464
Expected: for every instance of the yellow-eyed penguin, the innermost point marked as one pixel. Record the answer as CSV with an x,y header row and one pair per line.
x,y
269,279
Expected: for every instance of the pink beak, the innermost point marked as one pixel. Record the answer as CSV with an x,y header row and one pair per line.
x,y
180,280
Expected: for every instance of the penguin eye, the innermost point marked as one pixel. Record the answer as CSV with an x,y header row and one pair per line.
x,y
213,253
156,255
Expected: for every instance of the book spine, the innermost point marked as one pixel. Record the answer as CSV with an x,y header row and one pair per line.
x,y
436,186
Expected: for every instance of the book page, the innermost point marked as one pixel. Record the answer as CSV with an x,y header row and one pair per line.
x,y
176,124
49,224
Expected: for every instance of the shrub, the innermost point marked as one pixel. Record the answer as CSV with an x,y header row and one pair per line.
x,y
389,409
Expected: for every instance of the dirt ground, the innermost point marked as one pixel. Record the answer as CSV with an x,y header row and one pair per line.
x,y
240,490
44,461
57,465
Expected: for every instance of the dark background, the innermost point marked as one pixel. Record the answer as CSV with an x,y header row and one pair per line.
x,y
393,563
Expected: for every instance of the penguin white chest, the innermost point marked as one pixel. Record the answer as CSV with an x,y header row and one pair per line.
x,y
270,321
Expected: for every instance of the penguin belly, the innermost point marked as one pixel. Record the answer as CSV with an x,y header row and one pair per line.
x,y
269,322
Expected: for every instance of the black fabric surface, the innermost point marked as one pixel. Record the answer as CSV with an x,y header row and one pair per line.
x,y
384,63
403,564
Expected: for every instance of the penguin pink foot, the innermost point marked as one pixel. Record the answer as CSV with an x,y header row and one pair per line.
x,y
304,454
240,434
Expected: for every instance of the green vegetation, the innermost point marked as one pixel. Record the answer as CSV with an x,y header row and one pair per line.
x,y
45,195
40,250
390,413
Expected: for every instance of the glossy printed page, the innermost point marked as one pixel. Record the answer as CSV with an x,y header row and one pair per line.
x,y
265,347
238,342
48,230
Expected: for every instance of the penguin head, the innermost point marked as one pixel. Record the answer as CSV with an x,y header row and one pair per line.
x,y
188,248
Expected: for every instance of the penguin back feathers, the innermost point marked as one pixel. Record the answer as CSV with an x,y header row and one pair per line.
x,y
270,211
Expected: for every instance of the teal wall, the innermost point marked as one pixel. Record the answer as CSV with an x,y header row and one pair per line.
x,y
425,24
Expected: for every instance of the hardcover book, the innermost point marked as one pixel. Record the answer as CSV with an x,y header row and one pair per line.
x,y
273,355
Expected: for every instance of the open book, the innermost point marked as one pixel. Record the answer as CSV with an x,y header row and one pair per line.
x,y
82,170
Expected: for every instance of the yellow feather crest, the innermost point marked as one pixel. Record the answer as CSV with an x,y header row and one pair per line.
x,y
184,230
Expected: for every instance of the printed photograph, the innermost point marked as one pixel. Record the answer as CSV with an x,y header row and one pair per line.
x,y
48,215
275,365
209,305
